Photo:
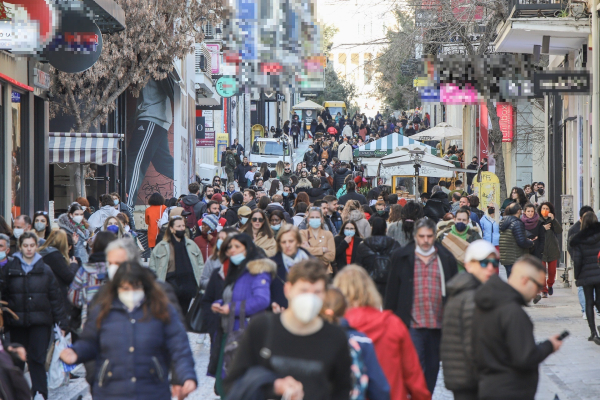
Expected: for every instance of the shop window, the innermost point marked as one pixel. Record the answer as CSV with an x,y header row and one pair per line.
x,y
16,164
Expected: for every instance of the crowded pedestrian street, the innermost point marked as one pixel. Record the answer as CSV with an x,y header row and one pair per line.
x,y
299,200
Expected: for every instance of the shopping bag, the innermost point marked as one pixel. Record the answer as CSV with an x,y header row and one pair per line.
x,y
456,246
194,317
57,374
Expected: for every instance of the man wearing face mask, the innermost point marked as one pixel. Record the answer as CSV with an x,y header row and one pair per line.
x,y
21,224
416,291
308,357
539,196
243,213
122,207
459,228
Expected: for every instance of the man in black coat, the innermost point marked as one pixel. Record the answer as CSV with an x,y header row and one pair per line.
x,y
456,349
574,230
506,354
411,295
311,158
352,195
240,173
339,176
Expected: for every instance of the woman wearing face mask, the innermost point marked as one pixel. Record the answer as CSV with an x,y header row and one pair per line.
x,y
247,279
41,225
289,253
347,243
85,204
393,345
133,334
90,277
178,261
277,221
74,223
112,224
318,241
534,229
30,288
375,252
260,230
380,210
551,247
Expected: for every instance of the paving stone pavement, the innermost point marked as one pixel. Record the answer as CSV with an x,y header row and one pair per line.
x,y
570,374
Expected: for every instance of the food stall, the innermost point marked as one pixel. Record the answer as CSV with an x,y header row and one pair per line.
x,y
308,110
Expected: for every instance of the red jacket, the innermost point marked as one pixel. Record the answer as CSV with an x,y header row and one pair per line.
x,y
206,246
395,351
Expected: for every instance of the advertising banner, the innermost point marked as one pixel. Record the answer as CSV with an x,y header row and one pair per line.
x,y
222,140
505,113
150,142
205,135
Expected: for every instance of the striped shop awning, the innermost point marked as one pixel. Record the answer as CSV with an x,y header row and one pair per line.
x,y
387,145
84,148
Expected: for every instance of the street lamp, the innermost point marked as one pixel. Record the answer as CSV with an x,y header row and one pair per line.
x,y
416,156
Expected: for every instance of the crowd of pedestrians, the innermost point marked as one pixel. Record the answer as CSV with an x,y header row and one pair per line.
x,y
306,288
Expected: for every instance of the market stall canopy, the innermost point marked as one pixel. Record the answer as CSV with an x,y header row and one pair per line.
x,y
401,163
443,130
84,148
307,105
386,145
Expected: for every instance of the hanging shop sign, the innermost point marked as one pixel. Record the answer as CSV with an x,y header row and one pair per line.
x,y
227,86
562,82
77,44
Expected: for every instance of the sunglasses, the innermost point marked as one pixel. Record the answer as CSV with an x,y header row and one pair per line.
x,y
484,263
287,170
258,220
539,286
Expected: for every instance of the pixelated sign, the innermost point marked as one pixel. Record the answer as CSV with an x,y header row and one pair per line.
x,y
487,189
77,44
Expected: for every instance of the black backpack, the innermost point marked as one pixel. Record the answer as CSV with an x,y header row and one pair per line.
x,y
379,269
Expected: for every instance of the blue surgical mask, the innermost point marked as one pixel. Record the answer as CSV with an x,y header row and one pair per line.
x,y
285,194
349,233
315,222
276,227
243,220
237,259
219,243
116,202
2,255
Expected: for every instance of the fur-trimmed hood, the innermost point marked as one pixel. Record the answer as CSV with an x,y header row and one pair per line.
x,y
588,235
262,265
65,222
304,183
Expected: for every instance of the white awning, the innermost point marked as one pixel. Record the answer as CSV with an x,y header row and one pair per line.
x,y
84,148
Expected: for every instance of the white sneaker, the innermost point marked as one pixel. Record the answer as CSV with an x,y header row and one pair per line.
x,y
584,316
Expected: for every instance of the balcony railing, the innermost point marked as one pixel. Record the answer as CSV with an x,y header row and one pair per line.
x,y
538,8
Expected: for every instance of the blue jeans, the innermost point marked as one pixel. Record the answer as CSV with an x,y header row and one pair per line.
x,y
427,345
581,298
508,269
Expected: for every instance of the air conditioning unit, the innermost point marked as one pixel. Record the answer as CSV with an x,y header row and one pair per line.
x,y
202,59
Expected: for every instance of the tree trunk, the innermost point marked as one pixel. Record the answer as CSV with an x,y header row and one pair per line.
x,y
495,137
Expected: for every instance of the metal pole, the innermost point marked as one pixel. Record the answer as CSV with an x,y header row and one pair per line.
x,y
595,107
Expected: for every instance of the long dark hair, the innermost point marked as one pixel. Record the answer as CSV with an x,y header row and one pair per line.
x,y
235,271
342,234
379,226
265,229
588,219
4,227
411,212
45,215
549,205
521,199
130,272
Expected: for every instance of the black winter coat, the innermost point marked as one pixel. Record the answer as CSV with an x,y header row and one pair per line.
x,y
370,253
311,158
399,292
456,348
240,174
352,195
540,232
35,297
63,272
339,176
506,353
585,248
443,197
231,215
340,250
434,209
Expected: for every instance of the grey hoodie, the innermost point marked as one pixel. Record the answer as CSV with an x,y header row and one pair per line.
x,y
24,265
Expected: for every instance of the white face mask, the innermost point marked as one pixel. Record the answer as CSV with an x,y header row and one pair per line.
x,y
78,219
306,306
424,253
17,232
132,298
112,270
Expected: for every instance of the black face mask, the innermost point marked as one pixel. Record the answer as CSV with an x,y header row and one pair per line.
x,y
180,234
209,196
541,192
491,210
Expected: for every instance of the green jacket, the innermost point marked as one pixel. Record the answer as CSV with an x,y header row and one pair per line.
x,y
230,162
159,260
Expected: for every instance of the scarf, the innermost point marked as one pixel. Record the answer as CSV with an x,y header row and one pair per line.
x,y
462,235
289,262
424,253
530,223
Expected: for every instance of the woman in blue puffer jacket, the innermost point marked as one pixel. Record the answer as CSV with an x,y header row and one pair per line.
x,y
135,335
491,229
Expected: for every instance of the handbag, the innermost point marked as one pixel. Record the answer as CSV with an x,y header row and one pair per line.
x,y
194,317
233,337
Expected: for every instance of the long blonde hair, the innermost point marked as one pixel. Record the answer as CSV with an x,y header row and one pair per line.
x,y
58,240
358,287
351,205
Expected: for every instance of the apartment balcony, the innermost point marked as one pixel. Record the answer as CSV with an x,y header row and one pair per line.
x,y
567,24
203,78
